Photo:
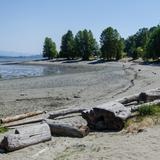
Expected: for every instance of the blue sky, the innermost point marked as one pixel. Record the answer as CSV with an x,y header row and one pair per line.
x,y
25,23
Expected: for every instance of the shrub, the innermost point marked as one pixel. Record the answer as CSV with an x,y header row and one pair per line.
x,y
146,110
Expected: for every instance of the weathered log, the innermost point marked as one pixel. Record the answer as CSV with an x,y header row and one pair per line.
x,y
24,123
135,108
67,130
28,136
146,96
129,99
108,116
149,96
21,116
65,112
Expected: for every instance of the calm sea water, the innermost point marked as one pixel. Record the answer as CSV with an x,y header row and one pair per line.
x,y
18,71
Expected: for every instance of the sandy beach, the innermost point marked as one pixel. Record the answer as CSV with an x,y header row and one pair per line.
x,y
87,85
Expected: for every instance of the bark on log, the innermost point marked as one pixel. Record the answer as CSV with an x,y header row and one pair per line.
x,y
28,136
67,130
65,112
108,116
21,116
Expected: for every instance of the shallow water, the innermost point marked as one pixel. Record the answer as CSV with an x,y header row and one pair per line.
x,y
19,71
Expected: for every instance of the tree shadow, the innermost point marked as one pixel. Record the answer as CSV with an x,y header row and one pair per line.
x,y
101,61
72,61
155,63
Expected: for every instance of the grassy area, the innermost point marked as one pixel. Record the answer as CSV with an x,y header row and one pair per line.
x,y
149,110
147,116
3,129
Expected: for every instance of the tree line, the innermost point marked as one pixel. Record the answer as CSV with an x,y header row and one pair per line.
x,y
144,43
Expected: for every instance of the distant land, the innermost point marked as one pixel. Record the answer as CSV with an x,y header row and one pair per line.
x,y
17,54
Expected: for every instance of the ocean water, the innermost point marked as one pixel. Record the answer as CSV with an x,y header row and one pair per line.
x,y
19,71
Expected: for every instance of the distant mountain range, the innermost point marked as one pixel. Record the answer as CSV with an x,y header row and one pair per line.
x,y
7,54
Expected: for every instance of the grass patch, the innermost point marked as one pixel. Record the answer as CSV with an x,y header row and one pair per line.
x,y
149,110
3,129
147,116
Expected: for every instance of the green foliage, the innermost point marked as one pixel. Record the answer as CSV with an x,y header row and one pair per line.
x,y
67,46
136,44
85,44
144,43
153,45
49,48
146,110
3,129
111,44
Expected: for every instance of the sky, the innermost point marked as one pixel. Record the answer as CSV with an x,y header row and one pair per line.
x,y
25,23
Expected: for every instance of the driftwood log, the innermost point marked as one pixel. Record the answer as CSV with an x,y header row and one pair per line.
x,y
23,123
65,112
26,136
149,96
129,99
142,97
108,116
21,116
67,130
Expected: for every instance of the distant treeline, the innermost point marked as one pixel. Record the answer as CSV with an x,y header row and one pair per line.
x,y
145,43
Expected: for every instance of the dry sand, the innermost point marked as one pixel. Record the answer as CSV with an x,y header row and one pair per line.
x,y
98,83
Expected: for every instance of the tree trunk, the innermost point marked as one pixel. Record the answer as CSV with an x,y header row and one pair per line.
x,y
26,137
65,112
67,130
21,116
108,116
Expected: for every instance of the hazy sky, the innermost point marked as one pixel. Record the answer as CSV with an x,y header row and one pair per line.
x,y
25,23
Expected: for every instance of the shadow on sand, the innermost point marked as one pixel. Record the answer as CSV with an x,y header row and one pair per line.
x,y
155,63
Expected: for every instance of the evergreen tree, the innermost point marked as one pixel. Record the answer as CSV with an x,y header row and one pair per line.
x,y
67,46
153,45
49,48
136,44
85,44
111,44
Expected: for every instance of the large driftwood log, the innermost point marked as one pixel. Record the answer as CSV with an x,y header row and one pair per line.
x,y
21,116
67,130
108,116
65,112
26,137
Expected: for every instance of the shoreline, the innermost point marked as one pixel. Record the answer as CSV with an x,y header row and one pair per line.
x,y
106,82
